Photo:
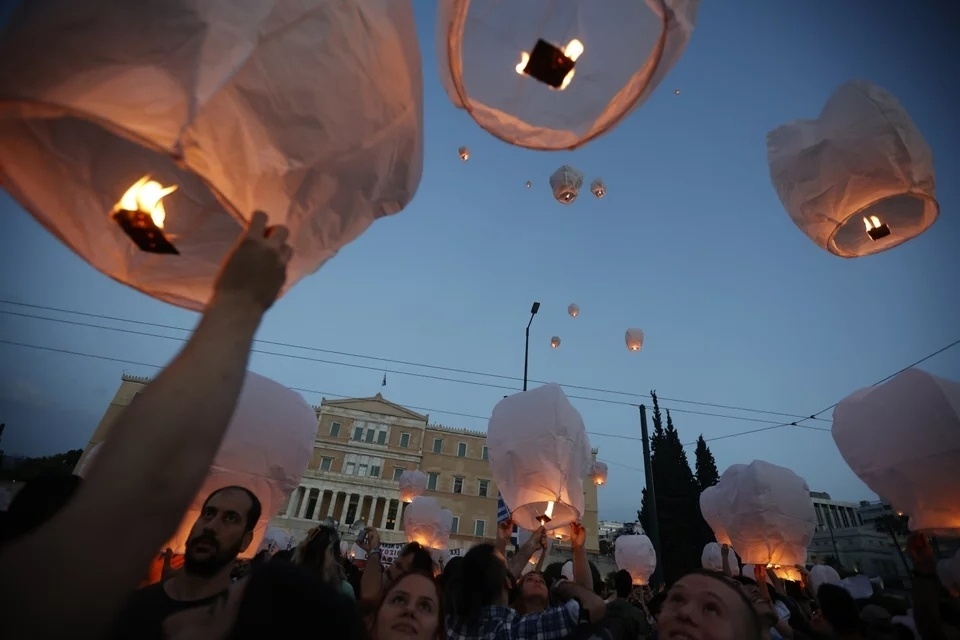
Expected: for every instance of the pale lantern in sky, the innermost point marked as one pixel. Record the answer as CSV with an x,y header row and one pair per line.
x,y
712,557
539,454
768,513
573,310
565,183
712,506
636,555
902,438
859,179
598,188
413,483
551,76
464,153
144,135
427,523
598,473
555,342
634,339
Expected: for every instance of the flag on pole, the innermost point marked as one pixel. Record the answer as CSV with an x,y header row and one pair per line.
x,y
384,383
503,512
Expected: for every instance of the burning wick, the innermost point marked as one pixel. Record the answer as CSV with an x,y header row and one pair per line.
x,y
551,65
875,229
547,514
141,215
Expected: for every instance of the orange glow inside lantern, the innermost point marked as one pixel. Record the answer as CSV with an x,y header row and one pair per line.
x,y
141,215
464,154
555,342
551,65
875,229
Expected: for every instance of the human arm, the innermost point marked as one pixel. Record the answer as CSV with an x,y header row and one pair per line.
x,y
371,582
725,558
581,566
594,605
926,599
538,540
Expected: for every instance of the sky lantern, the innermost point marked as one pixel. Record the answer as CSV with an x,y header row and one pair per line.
x,y
528,184
597,188
636,555
553,76
539,454
712,557
555,342
768,513
573,310
713,503
859,179
426,522
902,439
413,483
565,184
634,339
464,153
821,574
598,473
144,135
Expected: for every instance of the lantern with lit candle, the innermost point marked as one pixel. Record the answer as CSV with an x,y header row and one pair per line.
x,y
427,523
573,310
634,339
598,188
412,484
464,153
636,555
553,76
144,136
539,453
859,179
565,184
555,342
598,473
528,184
902,439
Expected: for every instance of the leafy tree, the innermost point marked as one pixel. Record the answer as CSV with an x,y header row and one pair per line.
x,y
61,463
707,474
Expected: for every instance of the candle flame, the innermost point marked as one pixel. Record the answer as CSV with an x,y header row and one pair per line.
x,y
573,51
873,222
146,195
549,510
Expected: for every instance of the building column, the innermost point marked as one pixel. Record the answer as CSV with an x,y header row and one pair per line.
x,y
302,512
324,506
292,506
316,505
346,505
386,512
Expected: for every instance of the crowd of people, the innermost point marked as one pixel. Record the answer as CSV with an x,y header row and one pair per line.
x,y
78,557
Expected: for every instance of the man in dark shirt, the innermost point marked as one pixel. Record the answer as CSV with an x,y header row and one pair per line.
x,y
223,531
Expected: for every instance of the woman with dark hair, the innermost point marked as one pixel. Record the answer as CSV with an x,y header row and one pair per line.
x,y
411,609
320,554
707,605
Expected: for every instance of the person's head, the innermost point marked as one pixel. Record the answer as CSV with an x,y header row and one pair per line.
x,y
412,557
410,609
531,594
838,613
763,606
485,582
623,582
450,581
39,500
223,531
320,554
655,604
707,605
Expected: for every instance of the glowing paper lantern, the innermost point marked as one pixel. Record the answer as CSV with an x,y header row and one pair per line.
x,y
712,557
712,506
573,310
859,179
528,184
769,515
464,153
412,484
565,184
553,76
823,574
555,341
636,555
598,473
427,523
902,438
597,188
634,339
539,454
144,135
787,573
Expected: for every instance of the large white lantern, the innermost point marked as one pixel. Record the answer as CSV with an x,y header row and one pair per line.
x,y
634,339
539,454
548,75
902,438
769,515
412,484
712,506
144,134
823,574
712,557
636,555
565,184
859,179
427,523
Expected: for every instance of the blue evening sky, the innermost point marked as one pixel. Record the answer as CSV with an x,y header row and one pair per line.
x,y
691,244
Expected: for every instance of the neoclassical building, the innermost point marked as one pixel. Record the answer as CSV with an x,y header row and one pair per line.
x,y
362,447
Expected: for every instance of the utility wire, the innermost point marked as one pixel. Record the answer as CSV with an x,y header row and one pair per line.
x,y
388,360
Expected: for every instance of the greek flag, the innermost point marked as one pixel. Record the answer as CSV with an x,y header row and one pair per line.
x,y
503,512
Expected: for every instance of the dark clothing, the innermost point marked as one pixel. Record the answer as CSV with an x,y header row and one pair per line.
x,y
143,615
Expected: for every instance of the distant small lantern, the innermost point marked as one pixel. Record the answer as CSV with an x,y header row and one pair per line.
x,y
676,92
634,339
598,473
859,179
412,484
573,310
576,72
464,153
528,184
555,341
598,188
566,183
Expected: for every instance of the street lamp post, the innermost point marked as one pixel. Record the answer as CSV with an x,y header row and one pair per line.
x,y
526,346
653,526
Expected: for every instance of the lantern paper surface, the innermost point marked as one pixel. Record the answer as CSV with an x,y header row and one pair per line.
x,y
539,454
636,555
859,586
598,473
823,574
712,557
573,310
787,573
767,512
902,438
750,571
597,188
861,164
567,570
712,506
412,484
565,184
230,106
426,522
634,339
492,65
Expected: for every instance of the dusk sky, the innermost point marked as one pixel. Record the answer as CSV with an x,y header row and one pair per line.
x,y
690,243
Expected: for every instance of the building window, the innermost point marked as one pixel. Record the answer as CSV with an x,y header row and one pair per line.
x,y
382,437
437,445
375,471
350,469
483,487
358,433
326,464
371,435
486,454
362,470
461,449
455,525
397,472
334,429
404,440
458,485
479,528
432,479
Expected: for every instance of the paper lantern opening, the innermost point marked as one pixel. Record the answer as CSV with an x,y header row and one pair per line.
x,y
565,184
202,100
634,339
859,179
555,342
573,310
553,76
